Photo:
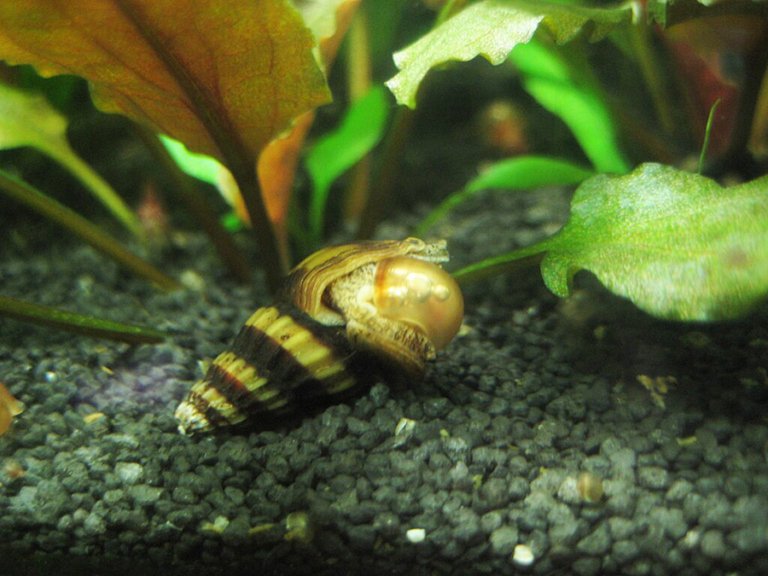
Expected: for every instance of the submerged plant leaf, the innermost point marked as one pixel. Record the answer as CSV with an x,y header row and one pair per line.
x,y
328,20
27,119
335,153
222,79
78,323
569,95
677,244
492,28
520,173
201,166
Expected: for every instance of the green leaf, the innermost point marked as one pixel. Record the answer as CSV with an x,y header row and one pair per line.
x,y
339,150
575,100
520,173
492,28
200,166
677,244
78,323
27,119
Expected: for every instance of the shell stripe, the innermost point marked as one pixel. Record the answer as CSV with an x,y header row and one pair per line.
x,y
277,359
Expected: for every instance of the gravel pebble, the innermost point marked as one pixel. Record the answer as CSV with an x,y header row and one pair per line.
x,y
597,542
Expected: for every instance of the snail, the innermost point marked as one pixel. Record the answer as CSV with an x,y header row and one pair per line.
x,y
342,312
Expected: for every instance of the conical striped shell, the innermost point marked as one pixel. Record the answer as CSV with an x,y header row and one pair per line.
x,y
279,357
331,330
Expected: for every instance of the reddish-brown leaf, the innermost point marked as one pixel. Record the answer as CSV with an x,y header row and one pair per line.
x,y
222,77
329,21
9,407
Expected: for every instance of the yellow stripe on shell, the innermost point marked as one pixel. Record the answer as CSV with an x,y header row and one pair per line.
x,y
217,401
247,374
319,358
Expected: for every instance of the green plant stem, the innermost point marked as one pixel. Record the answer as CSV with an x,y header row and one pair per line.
x,y
501,264
386,175
640,41
448,9
707,134
389,165
92,234
237,156
198,206
359,82
79,323
99,187
439,212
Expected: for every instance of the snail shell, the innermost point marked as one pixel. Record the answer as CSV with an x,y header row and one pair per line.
x,y
342,311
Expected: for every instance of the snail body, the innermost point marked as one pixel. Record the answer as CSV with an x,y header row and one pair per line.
x,y
342,311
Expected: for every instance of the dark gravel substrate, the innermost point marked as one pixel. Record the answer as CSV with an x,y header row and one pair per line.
x,y
535,393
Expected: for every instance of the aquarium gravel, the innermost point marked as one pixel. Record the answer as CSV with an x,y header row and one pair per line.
x,y
552,437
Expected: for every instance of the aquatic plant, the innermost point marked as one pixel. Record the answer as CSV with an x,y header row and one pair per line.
x,y
675,243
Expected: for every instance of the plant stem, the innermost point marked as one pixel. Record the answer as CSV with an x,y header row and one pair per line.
x,y
386,175
502,264
359,81
640,40
92,234
275,266
235,153
389,165
79,323
99,187
198,206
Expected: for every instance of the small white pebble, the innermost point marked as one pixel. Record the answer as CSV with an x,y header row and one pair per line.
x,y
416,535
523,555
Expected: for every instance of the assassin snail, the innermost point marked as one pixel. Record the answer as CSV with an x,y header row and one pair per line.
x,y
343,312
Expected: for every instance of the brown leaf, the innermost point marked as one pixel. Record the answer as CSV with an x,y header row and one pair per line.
x,y
9,407
223,78
329,21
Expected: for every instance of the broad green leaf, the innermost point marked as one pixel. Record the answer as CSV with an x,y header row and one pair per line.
x,y
27,119
223,80
571,97
520,173
677,244
339,150
492,28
